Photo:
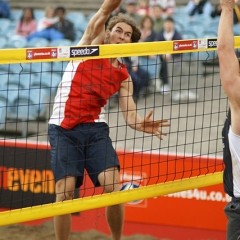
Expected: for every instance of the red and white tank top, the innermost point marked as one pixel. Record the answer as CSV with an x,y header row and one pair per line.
x,y
84,90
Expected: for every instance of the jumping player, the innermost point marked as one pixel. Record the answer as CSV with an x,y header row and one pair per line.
x,y
78,133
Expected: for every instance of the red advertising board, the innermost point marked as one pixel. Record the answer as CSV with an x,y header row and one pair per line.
x,y
189,214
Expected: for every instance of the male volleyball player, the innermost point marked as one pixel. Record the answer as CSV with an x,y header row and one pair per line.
x,y
79,136
230,78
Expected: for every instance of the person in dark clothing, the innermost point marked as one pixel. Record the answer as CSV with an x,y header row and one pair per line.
x,y
60,30
140,77
236,13
5,10
168,33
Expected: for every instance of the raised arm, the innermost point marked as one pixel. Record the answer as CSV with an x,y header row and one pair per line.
x,y
94,33
131,117
229,65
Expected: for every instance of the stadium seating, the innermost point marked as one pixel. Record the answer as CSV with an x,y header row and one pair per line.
x,y
60,42
16,42
4,24
48,82
75,17
37,42
3,41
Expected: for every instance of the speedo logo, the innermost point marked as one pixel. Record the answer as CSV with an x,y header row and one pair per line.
x,y
84,51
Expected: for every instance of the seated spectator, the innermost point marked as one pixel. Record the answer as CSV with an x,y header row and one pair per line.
x,y
131,11
5,10
143,8
168,33
27,24
236,13
49,19
140,77
157,15
168,6
146,27
59,30
199,7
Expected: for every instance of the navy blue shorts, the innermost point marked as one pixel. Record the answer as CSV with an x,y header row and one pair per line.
x,y
86,146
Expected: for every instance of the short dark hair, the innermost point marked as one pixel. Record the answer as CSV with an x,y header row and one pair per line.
x,y
169,19
136,34
63,9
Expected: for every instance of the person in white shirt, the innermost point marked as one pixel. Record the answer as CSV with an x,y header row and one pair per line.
x,y
49,19
168,6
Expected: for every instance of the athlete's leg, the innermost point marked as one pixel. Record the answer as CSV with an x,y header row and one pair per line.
x,y
109,180
64,191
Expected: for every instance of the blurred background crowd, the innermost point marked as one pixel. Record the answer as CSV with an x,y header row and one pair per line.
x,y
159,20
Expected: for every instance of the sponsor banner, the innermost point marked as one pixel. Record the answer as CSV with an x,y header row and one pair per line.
x,y
185,45
41,53
64,52
84,51
202,43
212,43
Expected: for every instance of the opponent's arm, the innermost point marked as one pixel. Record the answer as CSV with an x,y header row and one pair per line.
x,y
229,65
95,29
131,117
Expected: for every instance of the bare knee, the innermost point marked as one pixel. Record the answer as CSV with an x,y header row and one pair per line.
x,y
109,180
65,189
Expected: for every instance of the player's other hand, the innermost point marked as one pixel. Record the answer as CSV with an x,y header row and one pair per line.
x,y
154,127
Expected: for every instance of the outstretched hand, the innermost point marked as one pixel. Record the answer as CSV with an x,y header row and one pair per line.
x,y
153,127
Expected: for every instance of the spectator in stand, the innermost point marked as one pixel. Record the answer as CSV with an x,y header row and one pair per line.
x,y
199,8
168,33
147,32
131,11
59,30
236,13
49,19
143,8
168,6
157,15
27,24
140,77
5,10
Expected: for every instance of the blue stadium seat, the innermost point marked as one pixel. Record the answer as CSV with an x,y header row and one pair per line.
x,y
36,67
37,42
188,34
48,82
38,14
4,24
2,114
151,66
59,67
28,104
75,17
16,42
81,25
16,14
60,42
209,34
3,41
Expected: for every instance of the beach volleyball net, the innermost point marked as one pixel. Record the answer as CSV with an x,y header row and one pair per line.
x,y
189,157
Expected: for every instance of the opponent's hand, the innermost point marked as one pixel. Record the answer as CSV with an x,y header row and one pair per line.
x,y
154,127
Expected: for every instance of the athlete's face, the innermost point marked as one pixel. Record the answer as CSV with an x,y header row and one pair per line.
x,y
120,33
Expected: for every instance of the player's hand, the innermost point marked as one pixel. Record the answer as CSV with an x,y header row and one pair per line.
x,y
230,3
154,127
